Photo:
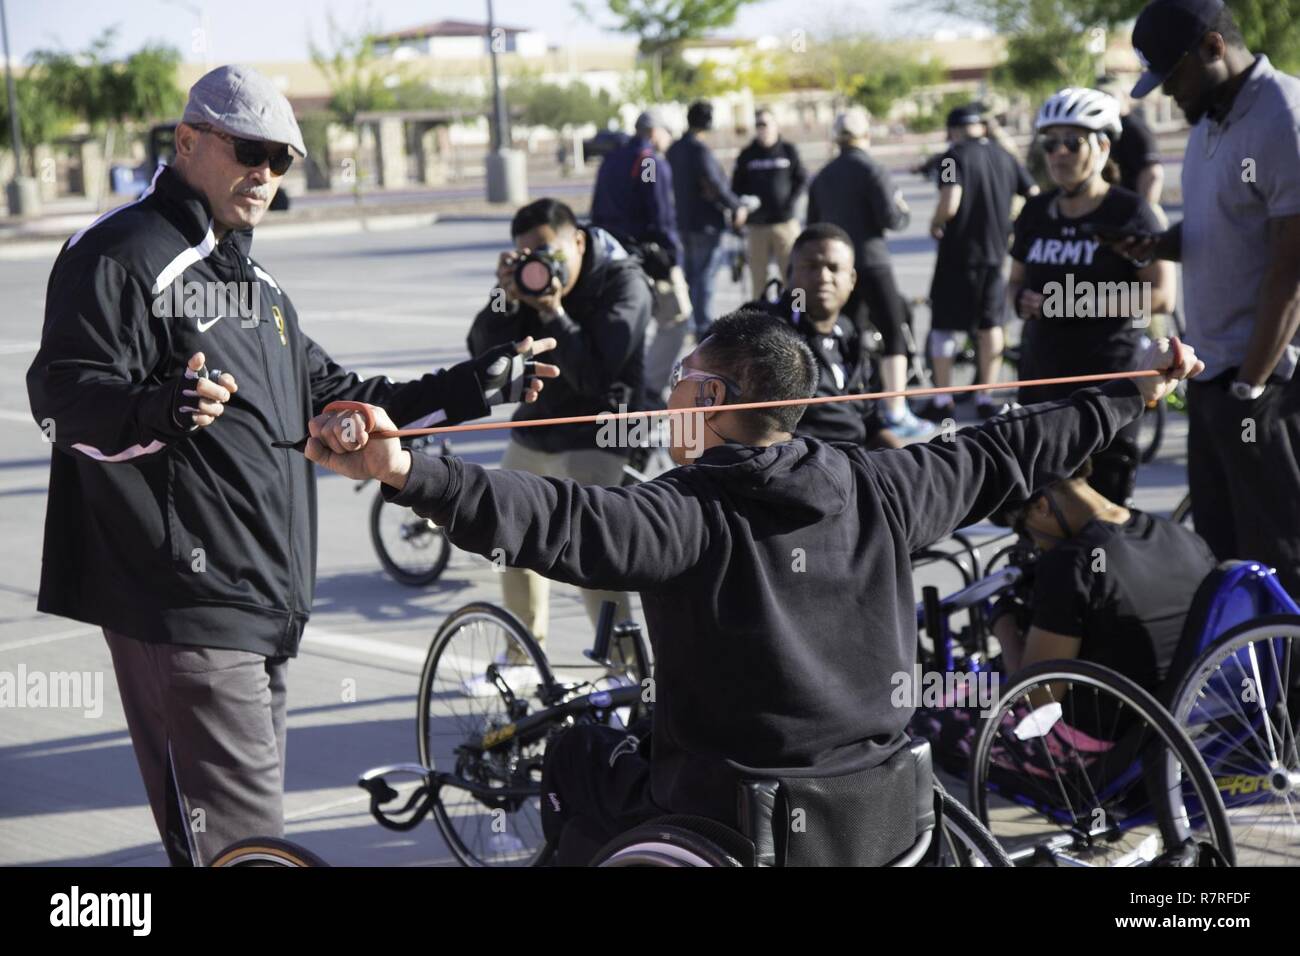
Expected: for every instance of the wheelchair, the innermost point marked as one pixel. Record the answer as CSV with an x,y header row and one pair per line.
x,y
895,815
1078,766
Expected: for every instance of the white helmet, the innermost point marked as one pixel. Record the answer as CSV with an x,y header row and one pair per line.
x,y
1075,106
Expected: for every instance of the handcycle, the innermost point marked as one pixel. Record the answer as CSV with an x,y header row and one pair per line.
x,y
1076,764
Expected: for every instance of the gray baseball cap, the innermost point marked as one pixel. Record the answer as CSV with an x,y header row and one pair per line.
x,y
242,102
650,119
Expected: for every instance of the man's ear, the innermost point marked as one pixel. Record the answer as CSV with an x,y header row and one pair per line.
x,y
580,241
186,139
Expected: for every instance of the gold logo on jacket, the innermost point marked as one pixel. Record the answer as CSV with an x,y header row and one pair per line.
x,y
279,323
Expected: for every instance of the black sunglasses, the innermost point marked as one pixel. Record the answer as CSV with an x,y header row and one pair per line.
x,y
253,152
1050,144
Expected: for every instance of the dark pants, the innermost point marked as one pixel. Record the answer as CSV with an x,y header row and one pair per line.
x,y
1246,494
876,297
208,728
595,785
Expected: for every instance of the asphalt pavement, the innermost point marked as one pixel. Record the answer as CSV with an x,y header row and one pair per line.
x,y
396,303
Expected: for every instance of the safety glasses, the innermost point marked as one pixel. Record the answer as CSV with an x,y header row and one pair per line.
x,y
1050,144
681,373
253,152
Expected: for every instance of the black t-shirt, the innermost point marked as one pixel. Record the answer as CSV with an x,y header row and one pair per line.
x,y
843,368
1087,326
989,177
1135,151
1124,590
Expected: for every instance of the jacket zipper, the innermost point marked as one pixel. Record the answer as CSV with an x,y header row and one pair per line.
x,y
291,602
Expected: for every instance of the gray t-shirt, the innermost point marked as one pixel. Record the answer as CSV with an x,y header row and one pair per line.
x,y
1237,175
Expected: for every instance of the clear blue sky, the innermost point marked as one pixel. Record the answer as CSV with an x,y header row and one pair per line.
x,y
253,30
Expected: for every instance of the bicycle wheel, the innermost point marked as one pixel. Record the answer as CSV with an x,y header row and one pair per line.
x,y
1152,432
1240,705
964,841
266,851
413,550
1080,766
484,671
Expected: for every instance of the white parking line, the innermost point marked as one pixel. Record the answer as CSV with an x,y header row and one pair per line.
x,y
49,638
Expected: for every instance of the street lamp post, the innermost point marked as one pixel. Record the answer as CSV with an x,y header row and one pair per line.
x,y
506,174
20,192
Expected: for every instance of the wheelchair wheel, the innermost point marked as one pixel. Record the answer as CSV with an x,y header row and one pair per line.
x,y
1240,704
1078,765
675,841
484,671
266,851
1152,432
413,550
964,841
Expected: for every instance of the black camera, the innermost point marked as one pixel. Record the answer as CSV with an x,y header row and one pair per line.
x,y
535,272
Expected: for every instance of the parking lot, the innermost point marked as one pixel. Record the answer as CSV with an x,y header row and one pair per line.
x,y
381,302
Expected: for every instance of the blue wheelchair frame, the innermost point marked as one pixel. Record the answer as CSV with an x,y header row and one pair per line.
x,y
1246,591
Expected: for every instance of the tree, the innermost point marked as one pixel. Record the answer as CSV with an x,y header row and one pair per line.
x,y
40,118
1046,39
663,27
557,107
359,81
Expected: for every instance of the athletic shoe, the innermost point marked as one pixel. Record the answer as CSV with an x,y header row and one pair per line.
x,y
988,410
908,425
939,413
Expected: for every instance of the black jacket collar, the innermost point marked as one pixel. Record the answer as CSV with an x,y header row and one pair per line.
x,y
187,209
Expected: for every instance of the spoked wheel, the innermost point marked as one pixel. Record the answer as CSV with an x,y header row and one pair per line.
x,y
413,550
1152,431
1080,766
964,841
484,672
1240,704
266,851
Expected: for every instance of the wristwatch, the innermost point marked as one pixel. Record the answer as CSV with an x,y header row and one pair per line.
x,y
1245,392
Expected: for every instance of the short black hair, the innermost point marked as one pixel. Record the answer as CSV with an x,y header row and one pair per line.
x,y
821,232
768,360
1225,25
542,212
700,115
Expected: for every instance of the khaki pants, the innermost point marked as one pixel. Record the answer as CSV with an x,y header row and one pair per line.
x,y
768,243
527,594
666,336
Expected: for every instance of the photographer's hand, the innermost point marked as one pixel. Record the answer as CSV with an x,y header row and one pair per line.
x,y
506,275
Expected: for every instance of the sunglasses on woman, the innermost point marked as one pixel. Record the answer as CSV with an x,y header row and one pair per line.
x,y
253,152
1050,144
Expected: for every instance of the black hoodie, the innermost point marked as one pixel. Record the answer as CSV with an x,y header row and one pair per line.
x,y
776,582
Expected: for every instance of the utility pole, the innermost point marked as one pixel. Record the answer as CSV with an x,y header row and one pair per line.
x,y
506,171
